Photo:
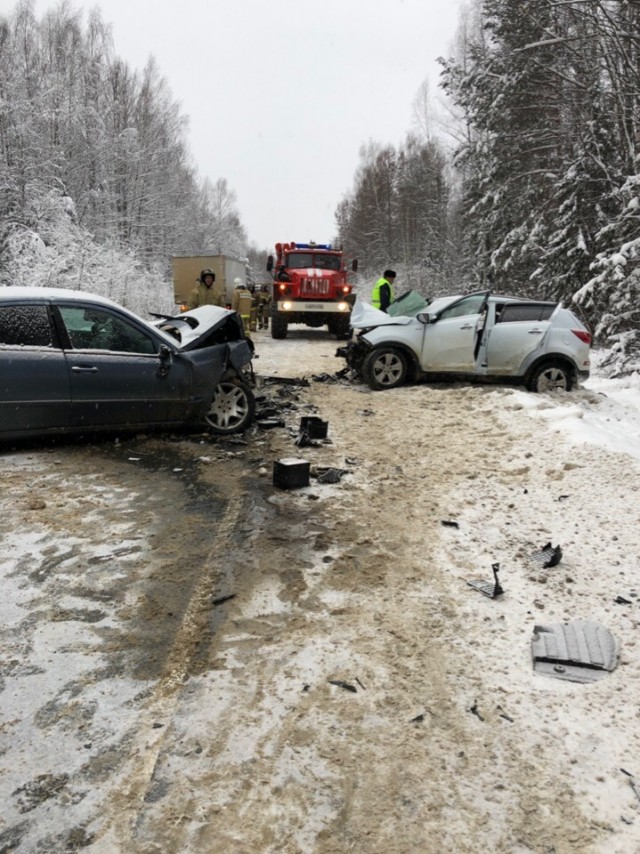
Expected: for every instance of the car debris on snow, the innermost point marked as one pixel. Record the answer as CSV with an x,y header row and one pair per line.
x,y
329,475
475,711
345,685
632,783
548,556
579,651
291,473
488,588
220,600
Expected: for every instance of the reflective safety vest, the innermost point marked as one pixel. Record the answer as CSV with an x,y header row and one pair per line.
x,y
375,295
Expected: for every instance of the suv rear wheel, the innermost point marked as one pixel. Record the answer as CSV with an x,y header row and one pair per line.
x,y
384,367
232,408
551,376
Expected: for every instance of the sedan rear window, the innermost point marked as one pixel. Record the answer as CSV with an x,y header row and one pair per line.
x,y
25,326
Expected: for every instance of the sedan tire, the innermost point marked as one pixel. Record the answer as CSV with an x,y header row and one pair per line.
x,y
232,409
551,376
384,367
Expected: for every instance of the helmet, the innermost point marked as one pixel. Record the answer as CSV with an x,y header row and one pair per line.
x,y
238,283
207,272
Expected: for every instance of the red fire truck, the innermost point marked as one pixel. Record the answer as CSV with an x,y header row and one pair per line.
x,y
310,286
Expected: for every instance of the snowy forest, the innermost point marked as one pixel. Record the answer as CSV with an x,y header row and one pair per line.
x,y
97,189
526,181
539,194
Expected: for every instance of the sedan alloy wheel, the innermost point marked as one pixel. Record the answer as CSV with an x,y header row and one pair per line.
x,y
232,408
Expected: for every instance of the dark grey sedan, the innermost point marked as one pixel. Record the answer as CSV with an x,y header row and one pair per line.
x,y
75,362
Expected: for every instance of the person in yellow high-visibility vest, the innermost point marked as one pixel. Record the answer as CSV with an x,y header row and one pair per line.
x,y
241,302
383,294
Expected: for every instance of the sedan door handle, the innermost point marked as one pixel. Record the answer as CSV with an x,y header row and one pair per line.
x,y
80,370
535,331
468,326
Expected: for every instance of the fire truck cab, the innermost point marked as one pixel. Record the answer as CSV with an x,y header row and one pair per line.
x,y
310,287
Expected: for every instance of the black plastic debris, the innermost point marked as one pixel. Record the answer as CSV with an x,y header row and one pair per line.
x,y
365,412
352,461
301,381
270,423
267,412
331,475
302,440
221,599
291,473
325,378
345,685
632,782
314,426
448,523
490,589
548,556
620,600
417,720
579,651
475,711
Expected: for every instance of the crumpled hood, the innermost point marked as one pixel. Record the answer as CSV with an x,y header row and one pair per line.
x,y
195,324
364,315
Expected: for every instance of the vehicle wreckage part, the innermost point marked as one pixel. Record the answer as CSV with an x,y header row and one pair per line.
x,y
291,473
232,409
331,475
580,651
314,427
548,556
551,376
492,589
384,367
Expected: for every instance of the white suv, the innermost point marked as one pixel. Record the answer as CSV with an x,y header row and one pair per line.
x,y
539,344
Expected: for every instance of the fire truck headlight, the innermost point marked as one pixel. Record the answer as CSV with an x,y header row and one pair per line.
x,y
286,306
343,306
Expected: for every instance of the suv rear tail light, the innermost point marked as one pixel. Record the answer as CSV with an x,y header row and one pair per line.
x,y
583,335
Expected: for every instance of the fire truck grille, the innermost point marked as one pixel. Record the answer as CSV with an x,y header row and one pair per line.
x,y
314,287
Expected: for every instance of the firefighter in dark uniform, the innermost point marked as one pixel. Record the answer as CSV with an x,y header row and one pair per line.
x,y
264,301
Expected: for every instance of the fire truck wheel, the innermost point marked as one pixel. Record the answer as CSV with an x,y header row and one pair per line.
x,y
339,327
384,367
278,327
232,409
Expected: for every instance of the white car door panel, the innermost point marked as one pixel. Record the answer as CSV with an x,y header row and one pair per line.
x,y
449,344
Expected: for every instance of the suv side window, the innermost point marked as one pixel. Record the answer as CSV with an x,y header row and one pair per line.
x,y
469,305
98,329
526,311
25,326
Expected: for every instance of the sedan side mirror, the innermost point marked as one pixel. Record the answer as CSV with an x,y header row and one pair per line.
x,y
165,360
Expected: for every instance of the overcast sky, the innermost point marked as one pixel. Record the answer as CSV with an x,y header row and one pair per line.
x,y
280,94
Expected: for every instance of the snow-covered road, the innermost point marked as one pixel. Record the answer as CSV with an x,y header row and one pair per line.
x,y
137,715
